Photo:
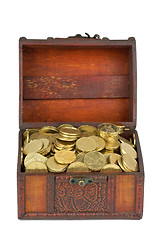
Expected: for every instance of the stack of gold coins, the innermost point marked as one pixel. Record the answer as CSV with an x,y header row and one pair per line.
x,y
66,138
110,132
60,145
69,132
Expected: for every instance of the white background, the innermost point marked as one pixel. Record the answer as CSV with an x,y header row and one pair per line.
x,y
114,19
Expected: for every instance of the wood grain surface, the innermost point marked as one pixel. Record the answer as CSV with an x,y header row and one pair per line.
x,y
125,193
35,193
76,110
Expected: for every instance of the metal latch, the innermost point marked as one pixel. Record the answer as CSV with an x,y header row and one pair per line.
x,y
80,181
96,36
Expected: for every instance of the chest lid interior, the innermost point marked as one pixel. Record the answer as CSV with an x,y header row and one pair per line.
x,y
77,80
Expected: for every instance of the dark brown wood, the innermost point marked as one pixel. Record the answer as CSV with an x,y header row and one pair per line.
x,y
75,87
78,68
60,61
78,81
79,110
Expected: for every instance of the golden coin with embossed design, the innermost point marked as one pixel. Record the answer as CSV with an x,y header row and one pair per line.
x,y
33,146
77,167
86,144
65,157
95,160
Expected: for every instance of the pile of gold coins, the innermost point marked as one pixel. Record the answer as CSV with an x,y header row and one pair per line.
x,y
82,149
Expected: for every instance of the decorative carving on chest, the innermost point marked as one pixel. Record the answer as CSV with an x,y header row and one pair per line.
x,y
74,198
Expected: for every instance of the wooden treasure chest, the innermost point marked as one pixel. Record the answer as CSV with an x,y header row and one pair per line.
x,y
79,81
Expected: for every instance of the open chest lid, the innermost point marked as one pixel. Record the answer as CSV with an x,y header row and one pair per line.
x,y
77,79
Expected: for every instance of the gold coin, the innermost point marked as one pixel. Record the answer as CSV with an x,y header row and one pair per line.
x,y
62,143
112,145
30,131
34,136
134,140
95,160
48,129
107,158
77,167
128,149
54,149
88,129
66,138
111,167
52,137
130,163
121,165
64,148
108,130
106,151
39,135
120,127
46,146
65,157
87,134
69,131
65,125
34,157
122,139
33,146
36,167
53,166
114,158
86,144
100,143
80,157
